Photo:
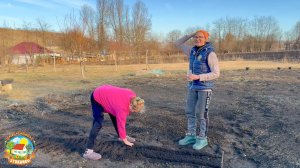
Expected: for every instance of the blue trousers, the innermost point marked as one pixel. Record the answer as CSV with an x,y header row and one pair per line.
x,y
98,116
197,110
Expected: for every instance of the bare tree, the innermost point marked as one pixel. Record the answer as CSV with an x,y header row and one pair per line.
x,y
238,35
241,34
9,36
229,33
87,16
102,18
218,31
74,40
265,30
296,35
273,33
27,28
43,28
128,34
141,23
70,29
296,30
116,20
172,36
2,50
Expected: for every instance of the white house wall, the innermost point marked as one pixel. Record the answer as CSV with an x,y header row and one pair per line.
x,y
21,59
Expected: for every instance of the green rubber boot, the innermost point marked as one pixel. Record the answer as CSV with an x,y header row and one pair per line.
x,y
200,143
188,139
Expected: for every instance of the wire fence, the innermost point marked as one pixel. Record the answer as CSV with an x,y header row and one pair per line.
x,y
154,57
286,56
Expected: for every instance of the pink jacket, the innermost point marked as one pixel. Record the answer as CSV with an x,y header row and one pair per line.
x,y
116,101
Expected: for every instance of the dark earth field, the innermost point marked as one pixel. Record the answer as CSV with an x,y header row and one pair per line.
x,y
254,122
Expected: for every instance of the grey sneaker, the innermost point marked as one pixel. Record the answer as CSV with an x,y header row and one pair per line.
x,y
130,139
92,155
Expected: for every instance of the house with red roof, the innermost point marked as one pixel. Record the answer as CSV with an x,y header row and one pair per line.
x,y
27,52
20,150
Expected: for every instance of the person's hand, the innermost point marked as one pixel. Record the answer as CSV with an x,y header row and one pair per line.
x,y
126,142
192,77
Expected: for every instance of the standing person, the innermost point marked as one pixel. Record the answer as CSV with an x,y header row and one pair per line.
x,y
118,103
203,68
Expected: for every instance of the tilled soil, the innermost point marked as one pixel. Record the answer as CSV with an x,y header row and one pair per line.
x,y
254,122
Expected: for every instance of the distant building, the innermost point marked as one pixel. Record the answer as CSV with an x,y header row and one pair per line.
x,y
28,52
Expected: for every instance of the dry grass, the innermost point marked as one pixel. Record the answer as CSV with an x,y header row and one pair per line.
x,y
28,86
236,65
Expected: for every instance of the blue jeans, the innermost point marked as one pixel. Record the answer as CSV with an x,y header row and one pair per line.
x,y
197,107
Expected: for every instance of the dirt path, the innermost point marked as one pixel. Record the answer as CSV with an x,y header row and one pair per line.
x,y
254,119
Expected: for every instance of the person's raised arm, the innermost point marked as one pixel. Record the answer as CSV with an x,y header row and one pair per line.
x,y
180,43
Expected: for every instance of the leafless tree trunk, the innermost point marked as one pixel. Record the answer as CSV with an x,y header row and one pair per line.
x,y
74,40
219,24
296,29
43,27
10,37
128,36
87,16
265,30
141,24
116,20
102,13
27,28
116,61
172,36
147,66
2,58
296,35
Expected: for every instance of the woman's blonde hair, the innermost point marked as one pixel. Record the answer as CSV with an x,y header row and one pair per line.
x,y
137,103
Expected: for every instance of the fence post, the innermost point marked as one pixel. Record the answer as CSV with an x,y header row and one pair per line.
x,y
3,57
116,62
82,67
26,63
54,63
147,66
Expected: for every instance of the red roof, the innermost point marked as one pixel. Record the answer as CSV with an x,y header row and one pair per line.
x,y
28,48
19,147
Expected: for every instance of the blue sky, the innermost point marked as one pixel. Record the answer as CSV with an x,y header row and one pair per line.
x,y
166,15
